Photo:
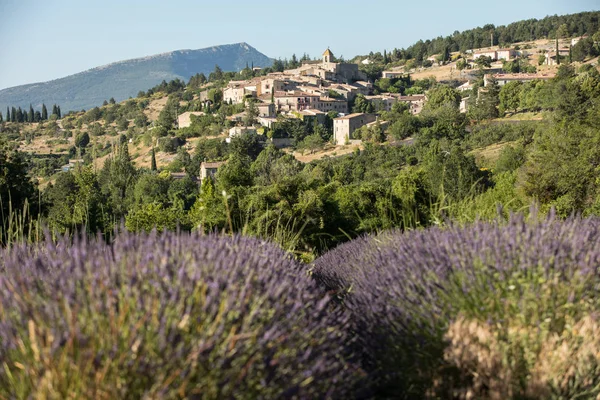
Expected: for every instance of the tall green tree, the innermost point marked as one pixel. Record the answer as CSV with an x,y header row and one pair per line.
x,y
44,112
31,115
16,188
7,114
251,113
153,161
117,180
1,119
13,115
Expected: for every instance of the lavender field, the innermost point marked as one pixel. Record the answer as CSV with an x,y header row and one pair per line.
x,y
492,311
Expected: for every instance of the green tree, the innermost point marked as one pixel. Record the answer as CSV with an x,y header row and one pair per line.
x,y
208,214
7,114
487,102
235,173
152,188
31,115
153,161
216,75
406,125
168,115
1,119
44,112
450,174
511,158
117,179
16,187
484,62
251,113
312,143
442,95
510,96
146,217
140,120
362,105
82,140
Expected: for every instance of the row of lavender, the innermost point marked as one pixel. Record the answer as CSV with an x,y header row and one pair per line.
x,y
488,311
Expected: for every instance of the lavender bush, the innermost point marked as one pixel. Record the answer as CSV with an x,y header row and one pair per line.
x,y
475,312
167,316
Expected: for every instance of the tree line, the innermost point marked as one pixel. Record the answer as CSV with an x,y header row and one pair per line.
x,y
16,114
522,31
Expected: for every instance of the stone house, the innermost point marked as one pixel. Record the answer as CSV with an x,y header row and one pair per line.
x,y
344,127
326,104
313,116
237,91
266,109
295,101
185,120
209,169
392,74
240,130
505,54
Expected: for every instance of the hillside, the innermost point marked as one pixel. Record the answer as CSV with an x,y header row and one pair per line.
x,y
125,79
573,25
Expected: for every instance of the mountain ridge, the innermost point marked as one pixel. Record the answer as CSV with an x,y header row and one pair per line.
x,y
125,78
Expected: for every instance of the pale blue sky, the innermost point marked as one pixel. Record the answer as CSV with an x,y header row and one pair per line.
x,y
49,39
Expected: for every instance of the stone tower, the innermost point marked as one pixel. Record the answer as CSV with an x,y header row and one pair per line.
x,y
327,56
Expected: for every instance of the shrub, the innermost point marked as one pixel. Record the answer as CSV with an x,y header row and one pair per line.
x,y
170,144
166,316
486,311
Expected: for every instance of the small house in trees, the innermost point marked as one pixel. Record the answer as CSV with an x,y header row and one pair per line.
x,y
209,169
344,127
392,74
551,56
266,109
185,120
240,130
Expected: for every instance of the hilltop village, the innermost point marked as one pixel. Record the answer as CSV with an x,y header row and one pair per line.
x,y
311,92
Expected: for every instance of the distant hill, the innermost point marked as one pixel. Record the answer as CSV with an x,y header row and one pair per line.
x,y
125,79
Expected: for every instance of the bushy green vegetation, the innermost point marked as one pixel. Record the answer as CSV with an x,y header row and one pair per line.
x,y
260,190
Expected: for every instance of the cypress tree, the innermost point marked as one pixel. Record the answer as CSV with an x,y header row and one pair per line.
x,y
37,117
557,53
1,120
19,117
13,115
153,164
44,112
54,110
58,112
570,54
31,114
7,114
